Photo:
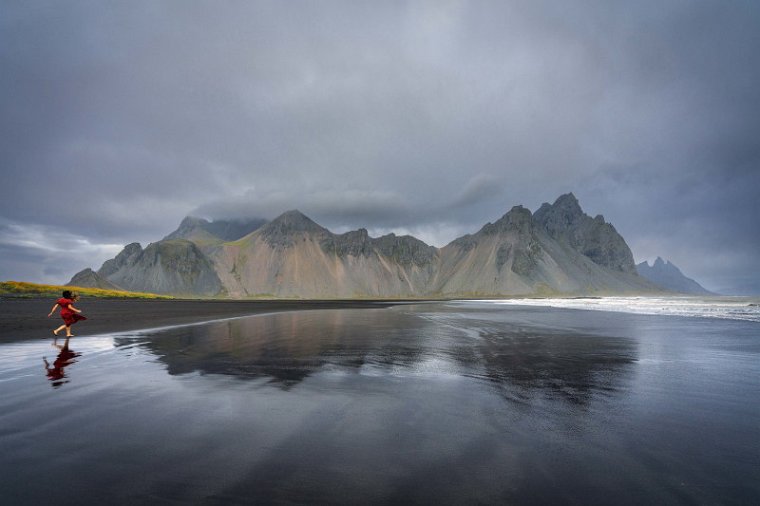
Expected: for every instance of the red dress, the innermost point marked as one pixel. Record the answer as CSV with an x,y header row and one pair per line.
x,y
69,317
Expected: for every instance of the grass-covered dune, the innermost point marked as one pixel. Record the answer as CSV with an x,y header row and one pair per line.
x,y
24,289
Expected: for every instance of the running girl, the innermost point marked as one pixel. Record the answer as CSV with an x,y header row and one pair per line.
x,y
69,313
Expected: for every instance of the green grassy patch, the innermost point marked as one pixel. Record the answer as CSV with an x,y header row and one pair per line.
x,y
23,289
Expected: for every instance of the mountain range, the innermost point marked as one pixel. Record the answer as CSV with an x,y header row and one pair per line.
x,y
556,250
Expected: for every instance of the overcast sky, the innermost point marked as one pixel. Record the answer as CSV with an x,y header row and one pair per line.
x,y
431,118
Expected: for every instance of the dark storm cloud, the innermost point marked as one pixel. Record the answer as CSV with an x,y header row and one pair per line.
x,y
119,118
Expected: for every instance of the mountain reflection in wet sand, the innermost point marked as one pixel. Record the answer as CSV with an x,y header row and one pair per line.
x,y
286,348
440,403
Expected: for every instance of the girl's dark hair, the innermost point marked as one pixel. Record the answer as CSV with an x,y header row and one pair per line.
x,y
66,294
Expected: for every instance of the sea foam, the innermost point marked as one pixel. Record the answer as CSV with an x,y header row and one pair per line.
x,y
730,308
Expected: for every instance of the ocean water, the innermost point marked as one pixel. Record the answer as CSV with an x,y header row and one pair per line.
x,y
437,403
727,308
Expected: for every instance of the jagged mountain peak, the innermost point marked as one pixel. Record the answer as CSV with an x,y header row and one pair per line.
x,y
360,236
189,227
295,220
362,232
567,199
658,263
281,230
667,275
568,203
200,230
125,256
518,216
566,222
662,266
90,278
517,219
172,266
565,211
352,243
405,249
132,247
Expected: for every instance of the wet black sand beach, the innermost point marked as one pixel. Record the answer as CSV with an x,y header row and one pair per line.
x,y
26,318
436,403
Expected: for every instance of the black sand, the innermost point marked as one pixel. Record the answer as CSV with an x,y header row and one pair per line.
x,y
445,403
22,319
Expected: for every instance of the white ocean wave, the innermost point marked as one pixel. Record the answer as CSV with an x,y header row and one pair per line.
x,y
730,308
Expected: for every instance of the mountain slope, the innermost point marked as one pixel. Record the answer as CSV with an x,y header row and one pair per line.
x,y
175,267
518,255
91,279
594,238
294,257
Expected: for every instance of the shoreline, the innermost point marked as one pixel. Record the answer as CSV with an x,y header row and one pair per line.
x,y
24,319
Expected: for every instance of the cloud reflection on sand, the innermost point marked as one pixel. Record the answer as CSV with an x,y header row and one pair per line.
x,y
429,403
286,348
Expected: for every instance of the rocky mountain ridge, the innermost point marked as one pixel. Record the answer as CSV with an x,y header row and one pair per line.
x,y
592,237
91,279
169,266
202,231
668,276
559,249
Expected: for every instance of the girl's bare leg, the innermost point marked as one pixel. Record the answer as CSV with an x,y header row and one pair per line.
x,y
55,332
68,331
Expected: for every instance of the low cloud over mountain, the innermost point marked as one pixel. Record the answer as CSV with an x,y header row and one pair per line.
x,y
559,249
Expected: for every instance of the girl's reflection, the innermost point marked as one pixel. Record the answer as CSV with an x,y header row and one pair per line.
x,y
66,357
